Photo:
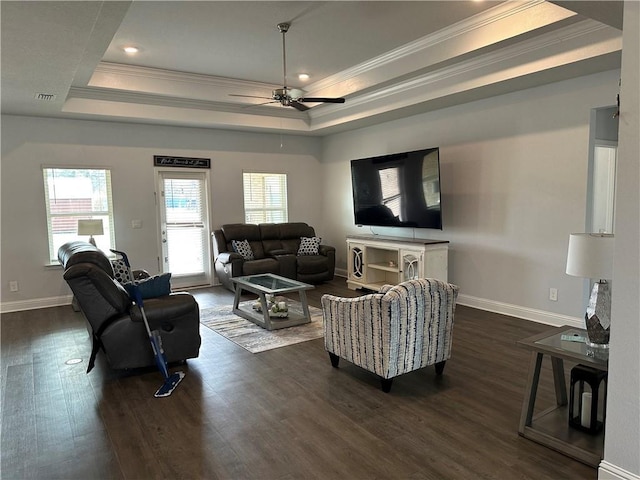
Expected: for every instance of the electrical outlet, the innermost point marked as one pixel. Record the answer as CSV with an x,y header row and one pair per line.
x,y
13,285
553,294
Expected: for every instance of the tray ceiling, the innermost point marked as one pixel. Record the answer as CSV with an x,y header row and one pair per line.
x,y
388,59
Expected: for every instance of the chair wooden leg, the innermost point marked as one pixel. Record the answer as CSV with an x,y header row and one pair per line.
x,y
440,367
334,359
386,384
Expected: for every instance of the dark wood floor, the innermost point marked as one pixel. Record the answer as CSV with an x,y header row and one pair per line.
x,y
281,414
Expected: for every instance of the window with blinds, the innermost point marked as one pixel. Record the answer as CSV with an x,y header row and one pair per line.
x,y
185,217
265,197
73,194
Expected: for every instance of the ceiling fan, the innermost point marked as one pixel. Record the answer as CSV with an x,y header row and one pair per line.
x,y
286,96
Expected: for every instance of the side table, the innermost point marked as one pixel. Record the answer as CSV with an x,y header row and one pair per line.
x,y
551,426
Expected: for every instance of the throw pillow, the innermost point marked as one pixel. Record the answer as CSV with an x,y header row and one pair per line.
x,y
151,287
309,245
243,248
121,271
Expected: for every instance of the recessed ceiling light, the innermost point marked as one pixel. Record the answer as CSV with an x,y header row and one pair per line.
x,y
131,49
303,76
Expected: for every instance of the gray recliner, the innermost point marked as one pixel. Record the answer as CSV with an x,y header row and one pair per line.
x,y
115,323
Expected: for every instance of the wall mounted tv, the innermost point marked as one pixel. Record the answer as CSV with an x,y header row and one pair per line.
x,y
399,190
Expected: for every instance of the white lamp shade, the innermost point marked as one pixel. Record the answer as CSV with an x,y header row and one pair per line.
x,y
590,255
90,227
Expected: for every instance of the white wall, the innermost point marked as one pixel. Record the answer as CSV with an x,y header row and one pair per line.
x,y
513,179
128,149
622,435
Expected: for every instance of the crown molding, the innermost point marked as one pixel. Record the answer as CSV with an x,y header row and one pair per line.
x,y
584,39
134,71
111,109
447,35
122,96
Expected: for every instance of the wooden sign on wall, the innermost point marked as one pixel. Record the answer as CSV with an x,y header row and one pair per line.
x,y
188,162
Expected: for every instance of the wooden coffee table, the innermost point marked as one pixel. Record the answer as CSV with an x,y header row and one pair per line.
x,y
270,284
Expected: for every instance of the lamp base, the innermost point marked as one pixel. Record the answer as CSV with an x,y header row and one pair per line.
x,y
598,316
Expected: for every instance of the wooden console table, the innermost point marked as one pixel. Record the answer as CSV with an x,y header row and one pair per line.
x,y
551,426
376,260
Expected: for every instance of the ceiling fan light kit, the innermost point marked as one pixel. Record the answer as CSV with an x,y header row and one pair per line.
x,y
291,97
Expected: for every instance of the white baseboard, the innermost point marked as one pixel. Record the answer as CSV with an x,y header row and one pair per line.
x,y
608,471
18,306
525,313
539,316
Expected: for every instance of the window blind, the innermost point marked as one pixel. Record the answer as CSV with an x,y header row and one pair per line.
x,y
73,194
265,197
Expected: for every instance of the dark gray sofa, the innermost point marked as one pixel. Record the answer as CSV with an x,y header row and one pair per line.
x,y
115,324
275,247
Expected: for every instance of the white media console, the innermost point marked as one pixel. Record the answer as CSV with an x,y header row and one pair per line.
x,y
375,260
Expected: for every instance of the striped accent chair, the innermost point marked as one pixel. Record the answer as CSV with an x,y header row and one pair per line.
x,y
400,329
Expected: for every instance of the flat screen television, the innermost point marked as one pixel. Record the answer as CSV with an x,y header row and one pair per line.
x,y
400,190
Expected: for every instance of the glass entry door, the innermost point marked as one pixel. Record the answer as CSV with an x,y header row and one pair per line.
x,y
184,227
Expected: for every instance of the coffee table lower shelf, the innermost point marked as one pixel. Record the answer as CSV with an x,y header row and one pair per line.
x,y
551,429
275,323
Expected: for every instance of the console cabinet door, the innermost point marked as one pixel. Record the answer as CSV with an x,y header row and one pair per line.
x,y
356,262
412,265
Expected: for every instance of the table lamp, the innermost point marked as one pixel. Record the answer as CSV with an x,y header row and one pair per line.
x,y
590,255
91,228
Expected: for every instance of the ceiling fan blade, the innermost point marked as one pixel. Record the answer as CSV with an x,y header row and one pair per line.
x,y
298,106
321,100
249,96
259,104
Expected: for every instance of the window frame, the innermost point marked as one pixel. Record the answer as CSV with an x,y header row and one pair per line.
x,y
265,209
109,229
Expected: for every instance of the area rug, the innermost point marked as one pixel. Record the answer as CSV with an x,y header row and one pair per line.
x,y
256,339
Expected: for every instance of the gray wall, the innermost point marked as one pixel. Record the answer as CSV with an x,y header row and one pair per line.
x,y
128,149
622,445
514,173
513,181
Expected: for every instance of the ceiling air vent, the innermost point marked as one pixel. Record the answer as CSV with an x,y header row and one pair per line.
x,y
47,97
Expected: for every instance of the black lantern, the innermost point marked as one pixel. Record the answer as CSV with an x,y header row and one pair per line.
x,y
585,405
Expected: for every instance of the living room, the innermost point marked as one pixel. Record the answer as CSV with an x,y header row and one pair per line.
x,y
514,185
